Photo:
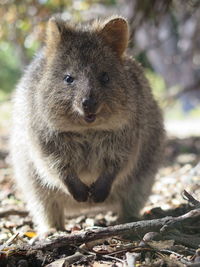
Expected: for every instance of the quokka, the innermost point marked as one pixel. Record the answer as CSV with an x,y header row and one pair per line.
x,y
86,129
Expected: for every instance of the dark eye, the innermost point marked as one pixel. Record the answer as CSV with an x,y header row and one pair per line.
x,y
104,78
68,79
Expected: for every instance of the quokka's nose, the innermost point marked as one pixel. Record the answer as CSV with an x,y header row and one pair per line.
x,y
89,105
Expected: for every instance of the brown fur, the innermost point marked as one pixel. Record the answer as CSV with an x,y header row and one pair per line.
x,y
61,160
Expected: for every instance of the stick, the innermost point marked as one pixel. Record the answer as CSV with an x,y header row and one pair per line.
x,y
137,229
191,199
9,212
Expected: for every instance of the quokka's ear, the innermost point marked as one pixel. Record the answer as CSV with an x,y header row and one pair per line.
x,y
115,32
55,28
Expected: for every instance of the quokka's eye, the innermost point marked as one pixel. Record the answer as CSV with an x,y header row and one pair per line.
x,y
68,79
104,78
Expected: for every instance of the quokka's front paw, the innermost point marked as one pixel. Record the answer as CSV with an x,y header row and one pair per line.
x,y
99,191
80,192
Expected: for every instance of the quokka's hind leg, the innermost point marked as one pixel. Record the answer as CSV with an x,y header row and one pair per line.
x,y
47,210
46,205
133,196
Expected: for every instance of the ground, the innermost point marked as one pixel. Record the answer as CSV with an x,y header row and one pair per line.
x,y
180,171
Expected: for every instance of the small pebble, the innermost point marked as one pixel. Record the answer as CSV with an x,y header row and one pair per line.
x,y
152,236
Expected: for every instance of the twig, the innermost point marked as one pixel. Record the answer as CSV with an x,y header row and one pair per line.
x,y
181,257
174,220
111,258
191,199
9,212
9,241
136,229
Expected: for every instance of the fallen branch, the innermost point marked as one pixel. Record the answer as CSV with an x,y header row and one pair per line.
x,y
5,213
136,229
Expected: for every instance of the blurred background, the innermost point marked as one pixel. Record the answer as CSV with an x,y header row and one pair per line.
x,y
164,38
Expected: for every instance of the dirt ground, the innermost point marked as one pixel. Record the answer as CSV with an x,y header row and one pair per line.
x,y
180,171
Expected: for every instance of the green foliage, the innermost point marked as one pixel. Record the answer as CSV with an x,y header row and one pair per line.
x,y
142,58
10,70
157,83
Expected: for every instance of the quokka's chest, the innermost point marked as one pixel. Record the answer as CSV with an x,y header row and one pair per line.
x,y
87,159
89,156
95,152
92,160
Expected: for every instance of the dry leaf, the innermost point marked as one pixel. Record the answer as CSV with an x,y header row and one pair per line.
x,y
159,245
30,234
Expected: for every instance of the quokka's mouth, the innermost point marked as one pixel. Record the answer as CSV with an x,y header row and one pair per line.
x,y
90,117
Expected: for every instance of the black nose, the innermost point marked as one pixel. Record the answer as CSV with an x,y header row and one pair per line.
x,y
89,105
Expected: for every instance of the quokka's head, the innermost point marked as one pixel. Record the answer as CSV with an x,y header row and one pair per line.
x,y
84,84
